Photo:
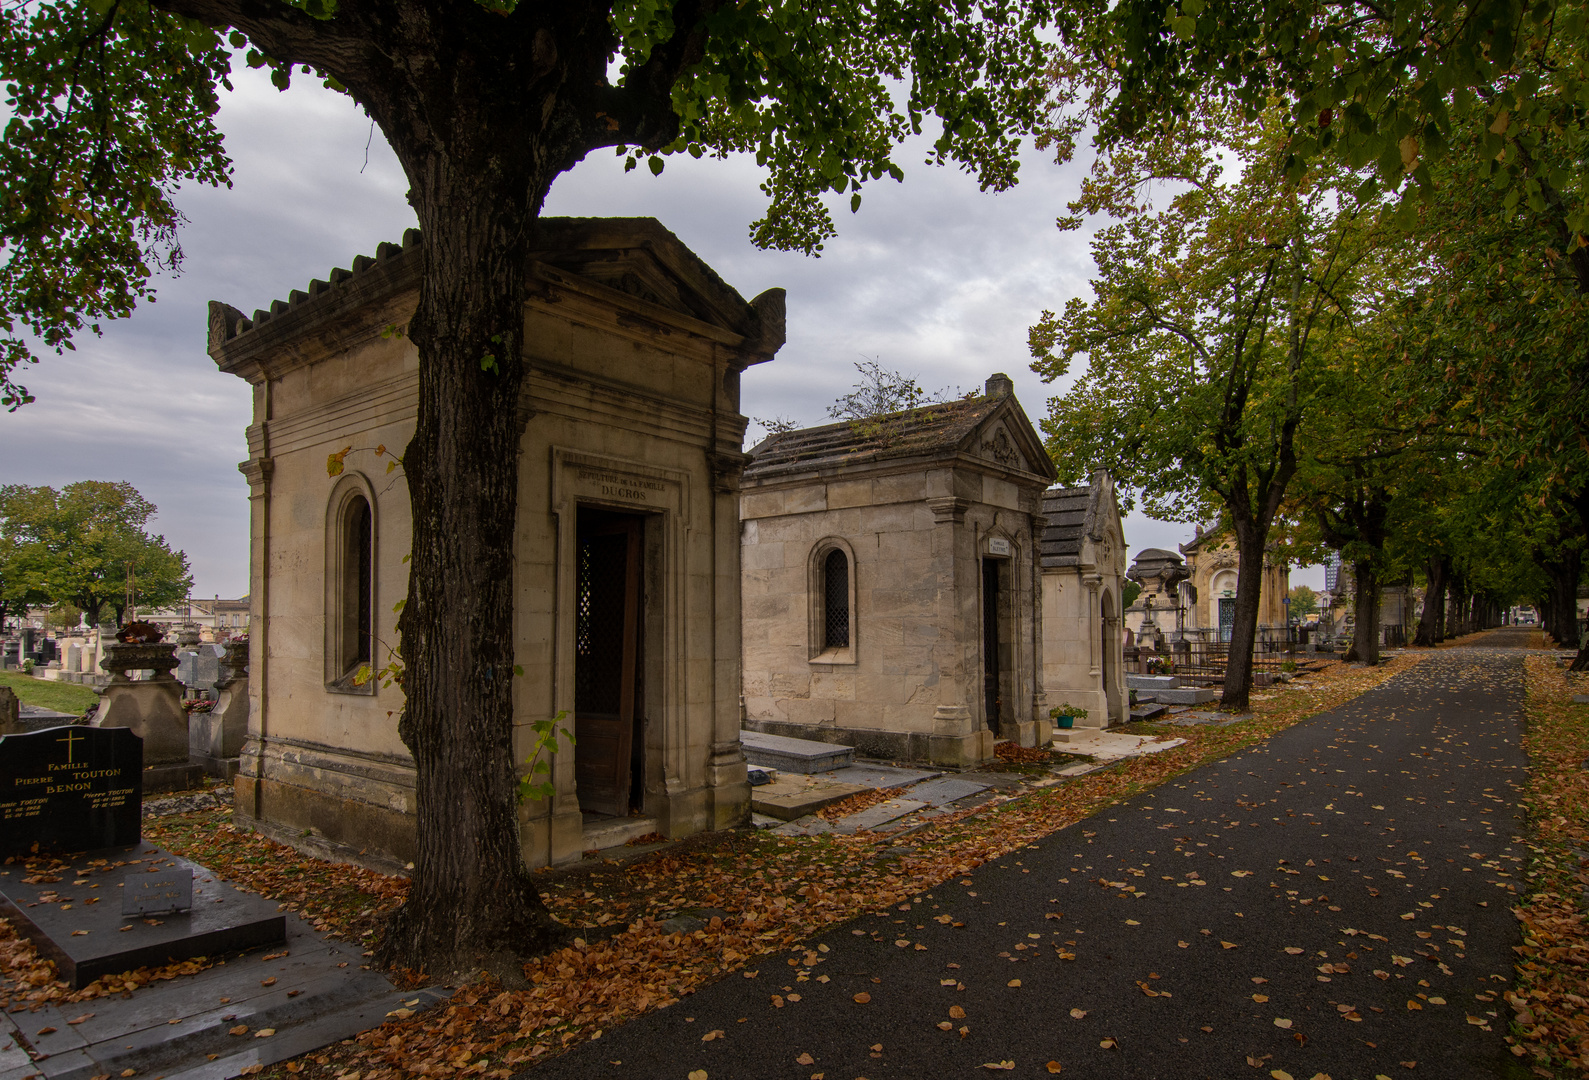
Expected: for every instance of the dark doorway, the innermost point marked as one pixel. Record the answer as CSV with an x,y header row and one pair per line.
x,y
1227,617
608,661
992,653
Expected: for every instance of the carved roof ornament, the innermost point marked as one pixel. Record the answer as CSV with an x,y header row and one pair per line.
x,y
1002,450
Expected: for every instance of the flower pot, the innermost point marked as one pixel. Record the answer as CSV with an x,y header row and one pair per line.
x,y
1064,721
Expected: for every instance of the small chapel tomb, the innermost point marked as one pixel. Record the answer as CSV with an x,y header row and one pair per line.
x,y
892,599
628,557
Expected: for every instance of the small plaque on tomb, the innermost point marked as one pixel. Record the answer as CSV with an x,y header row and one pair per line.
x,y
157,891
70,789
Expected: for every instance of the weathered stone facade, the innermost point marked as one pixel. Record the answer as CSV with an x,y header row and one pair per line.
x,y
921,528
629,472
1084,559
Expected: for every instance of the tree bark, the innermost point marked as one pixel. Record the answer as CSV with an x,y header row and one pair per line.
x,y
1430,621
1563,573
1251,538
1365,599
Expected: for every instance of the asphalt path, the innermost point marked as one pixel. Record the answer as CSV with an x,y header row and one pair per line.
x,y
1333,901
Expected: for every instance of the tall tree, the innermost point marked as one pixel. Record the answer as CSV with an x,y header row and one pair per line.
x,y
1209,318
485,104
79,544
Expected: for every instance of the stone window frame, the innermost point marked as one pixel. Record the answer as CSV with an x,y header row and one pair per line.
x,y
816,594
341,660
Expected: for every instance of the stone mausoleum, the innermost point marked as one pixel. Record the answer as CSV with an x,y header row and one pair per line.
x,y
892,599
628,565
1194,592
1084,561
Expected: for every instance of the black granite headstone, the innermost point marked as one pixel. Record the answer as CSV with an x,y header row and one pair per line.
x,y
70,789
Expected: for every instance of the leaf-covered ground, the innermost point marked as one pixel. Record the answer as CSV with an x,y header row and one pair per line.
x,y
1551,1000
751,894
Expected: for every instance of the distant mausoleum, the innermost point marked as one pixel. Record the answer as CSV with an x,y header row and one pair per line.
x,y
892,593
628,553
1195,596
1084,561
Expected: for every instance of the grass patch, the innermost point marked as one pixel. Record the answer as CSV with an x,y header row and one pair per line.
x,y
47,694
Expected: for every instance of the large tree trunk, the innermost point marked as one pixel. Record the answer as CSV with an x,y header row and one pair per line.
x,y
480,162
1563,573
1365,598
1250,540
1430,621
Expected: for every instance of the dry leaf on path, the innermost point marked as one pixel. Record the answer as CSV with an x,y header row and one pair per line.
x,y
697,1074
805,1059
862,998
957,1012
1077,1014
1013,983
1279,1074
1052,1066
1282,1022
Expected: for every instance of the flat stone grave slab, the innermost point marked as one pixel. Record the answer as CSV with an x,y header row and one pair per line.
x,y
1153,683
1143,712
879,776
794,755
792,796
311,990
1185,695
874,817
810,825
1580,699
945,791
71,908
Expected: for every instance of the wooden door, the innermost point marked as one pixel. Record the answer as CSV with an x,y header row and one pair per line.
x,y
606,658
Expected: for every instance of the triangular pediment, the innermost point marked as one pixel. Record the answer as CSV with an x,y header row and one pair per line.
x,y
1006,437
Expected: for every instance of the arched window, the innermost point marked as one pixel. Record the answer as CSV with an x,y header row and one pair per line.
x,y
358,588
350,587
835,601
831,592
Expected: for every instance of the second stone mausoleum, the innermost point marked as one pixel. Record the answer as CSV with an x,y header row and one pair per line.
x,y
892,599
628,554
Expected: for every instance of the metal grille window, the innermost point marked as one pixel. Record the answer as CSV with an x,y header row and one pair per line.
x,y
362,539
836,600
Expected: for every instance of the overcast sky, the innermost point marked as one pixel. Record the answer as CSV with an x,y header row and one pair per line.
x,y
931,278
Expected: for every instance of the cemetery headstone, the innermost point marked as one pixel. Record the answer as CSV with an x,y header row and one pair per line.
x,y
10,711
70,789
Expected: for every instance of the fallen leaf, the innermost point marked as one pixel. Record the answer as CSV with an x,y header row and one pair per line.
x,y
1230,944
1256,1063
697,1074
1013,983
713,1035
1279,1074
946,982
1077,1014
1437,1001
1106,1044
1282,1022
792,997
1409,915
862,998
960,1014
80,1019
47,1031
777,1002
240,1029
877,1048
805,1059
1260,998
1052,1067
944,1025
1293,950
1414,1006
999,1065
1132,922
1477,1021
264,1033
268,982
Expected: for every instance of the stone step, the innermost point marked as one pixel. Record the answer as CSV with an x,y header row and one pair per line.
x,y
602,833
794,755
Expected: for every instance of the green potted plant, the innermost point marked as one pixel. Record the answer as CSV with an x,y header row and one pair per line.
x,y
1066,715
